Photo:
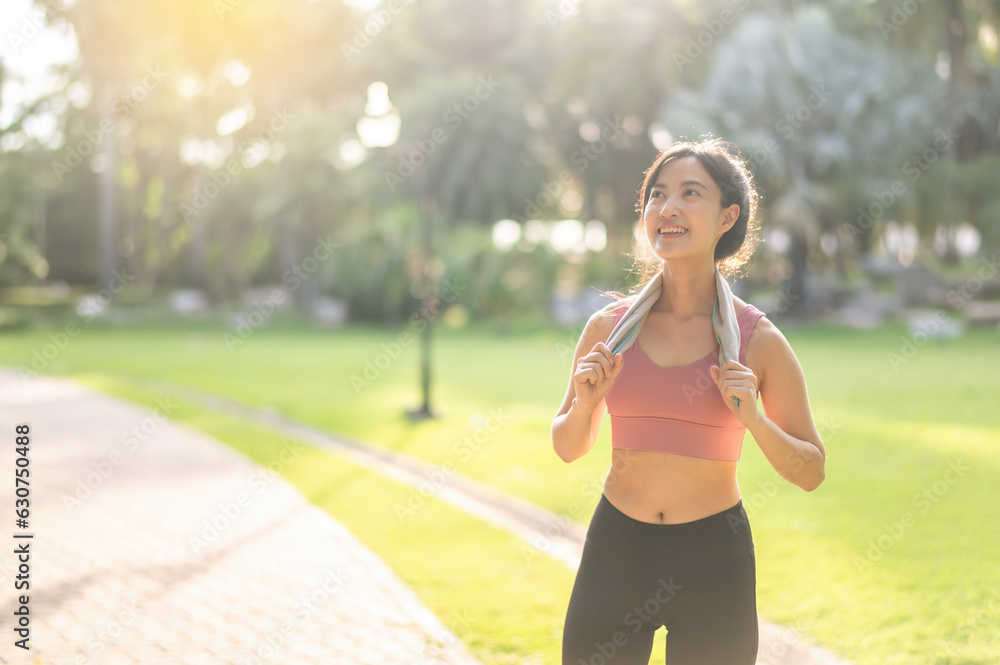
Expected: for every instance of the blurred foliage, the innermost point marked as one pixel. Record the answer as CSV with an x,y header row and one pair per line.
x,y
518,109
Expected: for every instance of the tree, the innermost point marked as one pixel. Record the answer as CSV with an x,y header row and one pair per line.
x,y
825,121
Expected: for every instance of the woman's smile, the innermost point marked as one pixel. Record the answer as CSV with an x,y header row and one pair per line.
x,y
671,231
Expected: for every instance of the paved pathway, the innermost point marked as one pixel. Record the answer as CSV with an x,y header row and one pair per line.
x,y
143,553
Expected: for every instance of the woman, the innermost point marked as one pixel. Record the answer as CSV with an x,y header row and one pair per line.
x,y
669,543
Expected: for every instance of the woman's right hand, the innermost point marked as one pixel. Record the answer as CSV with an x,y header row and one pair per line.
x,y
595,374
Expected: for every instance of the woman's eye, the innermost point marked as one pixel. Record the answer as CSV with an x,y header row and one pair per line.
x,y
656,194
691,191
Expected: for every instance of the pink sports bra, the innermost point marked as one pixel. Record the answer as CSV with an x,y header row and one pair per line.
x,y
676,409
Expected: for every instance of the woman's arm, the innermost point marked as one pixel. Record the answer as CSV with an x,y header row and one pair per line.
x,y
787,435
576,426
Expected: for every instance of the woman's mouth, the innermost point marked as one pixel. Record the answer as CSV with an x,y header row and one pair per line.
x,y
671,231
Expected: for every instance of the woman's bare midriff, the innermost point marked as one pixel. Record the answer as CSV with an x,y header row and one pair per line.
x,y
663,488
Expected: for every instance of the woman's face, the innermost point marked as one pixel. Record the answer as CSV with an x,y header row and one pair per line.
x,y
684,217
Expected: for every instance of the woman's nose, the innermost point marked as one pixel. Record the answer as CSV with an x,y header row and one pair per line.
x,y
668,208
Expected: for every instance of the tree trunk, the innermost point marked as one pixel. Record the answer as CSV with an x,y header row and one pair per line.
x,y
431,303
199,257
40,226
798,254
289,253
106,200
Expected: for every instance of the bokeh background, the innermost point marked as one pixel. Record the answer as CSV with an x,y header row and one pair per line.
x,y
391,219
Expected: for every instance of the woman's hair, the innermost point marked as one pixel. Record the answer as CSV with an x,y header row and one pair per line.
x,y
729,170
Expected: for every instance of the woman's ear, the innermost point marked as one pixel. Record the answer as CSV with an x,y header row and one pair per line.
x,y
731,215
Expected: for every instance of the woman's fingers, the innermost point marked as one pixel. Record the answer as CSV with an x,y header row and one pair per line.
x,y
733,370
598,360
617,365
594,372
742,383
595,367
602,354
734,379
587,372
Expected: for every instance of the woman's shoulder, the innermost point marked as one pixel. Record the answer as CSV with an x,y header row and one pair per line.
x,y
747,316
618,308
744,308
603,321
765,341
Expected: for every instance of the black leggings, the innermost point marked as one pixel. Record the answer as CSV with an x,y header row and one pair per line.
x,y
697,578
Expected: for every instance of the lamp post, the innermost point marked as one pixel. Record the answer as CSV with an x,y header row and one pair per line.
x,y
379,127
429,302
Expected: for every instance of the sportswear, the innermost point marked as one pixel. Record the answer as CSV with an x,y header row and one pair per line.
x,y
676,409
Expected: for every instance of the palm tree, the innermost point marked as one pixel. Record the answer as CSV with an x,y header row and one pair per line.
x,y
822,118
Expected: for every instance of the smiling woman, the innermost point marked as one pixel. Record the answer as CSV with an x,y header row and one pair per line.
x,y
671,515
722,174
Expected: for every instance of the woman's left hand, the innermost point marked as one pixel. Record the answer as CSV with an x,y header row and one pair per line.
x,y
736,380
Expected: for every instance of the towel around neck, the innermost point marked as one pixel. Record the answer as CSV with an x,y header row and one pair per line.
x,y
727,330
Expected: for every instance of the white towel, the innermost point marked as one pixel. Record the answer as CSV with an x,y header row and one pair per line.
x,y
727,330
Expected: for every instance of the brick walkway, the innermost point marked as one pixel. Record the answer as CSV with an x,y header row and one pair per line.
x,y
144,552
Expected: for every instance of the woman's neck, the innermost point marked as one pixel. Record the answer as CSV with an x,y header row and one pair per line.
x,y
687,289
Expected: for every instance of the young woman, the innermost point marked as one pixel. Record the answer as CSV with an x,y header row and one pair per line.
x,y
669,543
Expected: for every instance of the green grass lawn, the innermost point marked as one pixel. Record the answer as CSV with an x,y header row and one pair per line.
x,y
890,561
